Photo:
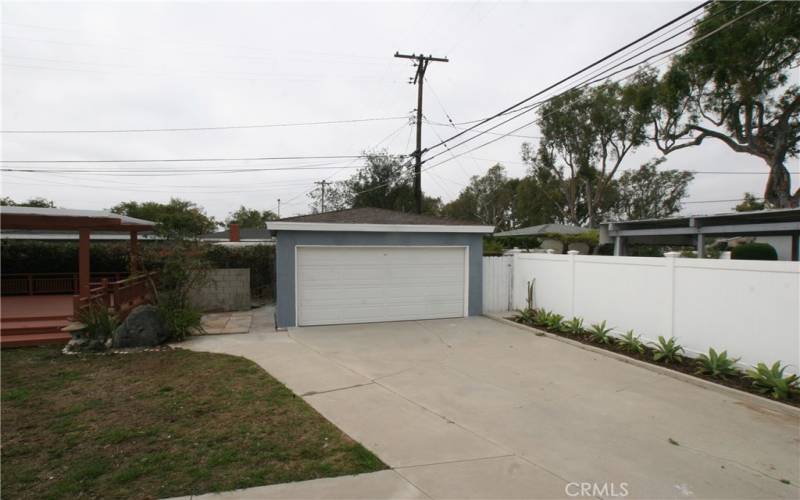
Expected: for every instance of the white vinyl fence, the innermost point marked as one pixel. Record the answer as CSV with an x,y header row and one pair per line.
x,y
497,283
749,308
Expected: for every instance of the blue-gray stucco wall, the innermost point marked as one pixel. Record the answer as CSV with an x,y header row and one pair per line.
x,y
287,240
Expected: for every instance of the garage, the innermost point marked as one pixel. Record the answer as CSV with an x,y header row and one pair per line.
x,y
371,265
367,284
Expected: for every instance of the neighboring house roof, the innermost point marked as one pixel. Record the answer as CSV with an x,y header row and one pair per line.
x,y
375,219
21,234
245,234
543,229
47,219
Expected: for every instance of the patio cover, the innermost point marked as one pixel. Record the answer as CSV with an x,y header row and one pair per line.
x,y
82,221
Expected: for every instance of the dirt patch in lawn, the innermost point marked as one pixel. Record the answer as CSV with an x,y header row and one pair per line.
x,y
687,365
158,424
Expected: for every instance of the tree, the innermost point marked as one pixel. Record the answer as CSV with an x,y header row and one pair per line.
x,y
32,202
586,135
384,182
249,217
647,193
733,87
750,204
176,219
488,199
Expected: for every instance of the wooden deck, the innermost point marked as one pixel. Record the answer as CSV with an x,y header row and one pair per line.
x,y
27,320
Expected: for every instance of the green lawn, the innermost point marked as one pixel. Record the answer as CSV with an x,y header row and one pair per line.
x,y
158,424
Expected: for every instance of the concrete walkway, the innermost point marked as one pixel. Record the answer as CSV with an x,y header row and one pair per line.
x,y
472,408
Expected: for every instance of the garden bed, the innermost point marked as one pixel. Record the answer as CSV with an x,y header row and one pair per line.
x,y
687,365
158,424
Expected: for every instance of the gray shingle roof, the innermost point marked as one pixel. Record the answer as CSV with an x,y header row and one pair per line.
x,y
543,229
369,215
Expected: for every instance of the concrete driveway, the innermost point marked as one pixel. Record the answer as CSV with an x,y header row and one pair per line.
x,y
473,408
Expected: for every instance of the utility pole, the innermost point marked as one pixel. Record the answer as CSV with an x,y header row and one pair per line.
x,y
279,208
323,183
419,79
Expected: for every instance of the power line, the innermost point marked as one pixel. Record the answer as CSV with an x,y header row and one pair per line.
x,y
191,129
582,70
669,52
164,160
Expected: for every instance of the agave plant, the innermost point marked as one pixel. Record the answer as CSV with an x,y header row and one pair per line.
x,y
770,380
526,316
541,317
600,333
630,342
668,351
554,322
717,365
573,326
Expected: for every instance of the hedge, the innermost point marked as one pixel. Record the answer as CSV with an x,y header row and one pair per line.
x,y
22,256
754,251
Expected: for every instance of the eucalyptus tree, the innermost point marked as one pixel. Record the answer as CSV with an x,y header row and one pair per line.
x,y
587,133
737,84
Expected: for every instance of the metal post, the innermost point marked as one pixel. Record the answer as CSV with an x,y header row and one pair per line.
x,y
701,245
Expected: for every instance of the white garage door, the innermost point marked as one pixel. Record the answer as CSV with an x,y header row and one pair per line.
x,y
369,284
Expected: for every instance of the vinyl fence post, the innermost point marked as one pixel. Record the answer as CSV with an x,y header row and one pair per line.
x,y
510,266
671,257
572,254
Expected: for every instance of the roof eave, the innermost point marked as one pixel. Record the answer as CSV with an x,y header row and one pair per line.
x,y
378,228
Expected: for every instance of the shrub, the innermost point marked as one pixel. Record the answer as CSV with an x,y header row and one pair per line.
x,y
754,251
554,321
771,381
668,351
718,365
630,342
99,320
184,269
573,326
525,316
541,317
600,333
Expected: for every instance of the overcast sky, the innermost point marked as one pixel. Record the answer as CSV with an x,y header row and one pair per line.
x,y
68,66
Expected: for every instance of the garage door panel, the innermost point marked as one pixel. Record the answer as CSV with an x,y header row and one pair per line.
x,y
352,285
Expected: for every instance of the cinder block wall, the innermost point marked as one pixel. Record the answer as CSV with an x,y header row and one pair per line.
x,y
224,290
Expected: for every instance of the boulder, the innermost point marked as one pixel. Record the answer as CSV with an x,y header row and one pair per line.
x,y
142,328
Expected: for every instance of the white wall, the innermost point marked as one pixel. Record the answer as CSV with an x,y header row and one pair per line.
x,y
749,308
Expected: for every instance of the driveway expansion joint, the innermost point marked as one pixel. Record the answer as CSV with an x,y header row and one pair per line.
x,y
314,393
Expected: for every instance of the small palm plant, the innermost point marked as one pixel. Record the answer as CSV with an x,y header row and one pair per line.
x,y
770,380
668,351
600,333
631,342
718,365
573,326
554,322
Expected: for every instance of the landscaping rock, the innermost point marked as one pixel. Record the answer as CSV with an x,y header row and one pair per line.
x,y
142,328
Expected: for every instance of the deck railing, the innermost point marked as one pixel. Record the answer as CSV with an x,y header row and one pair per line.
x,y
50,283
119,296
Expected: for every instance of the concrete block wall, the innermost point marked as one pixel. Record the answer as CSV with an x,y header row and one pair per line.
x,y
224,290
